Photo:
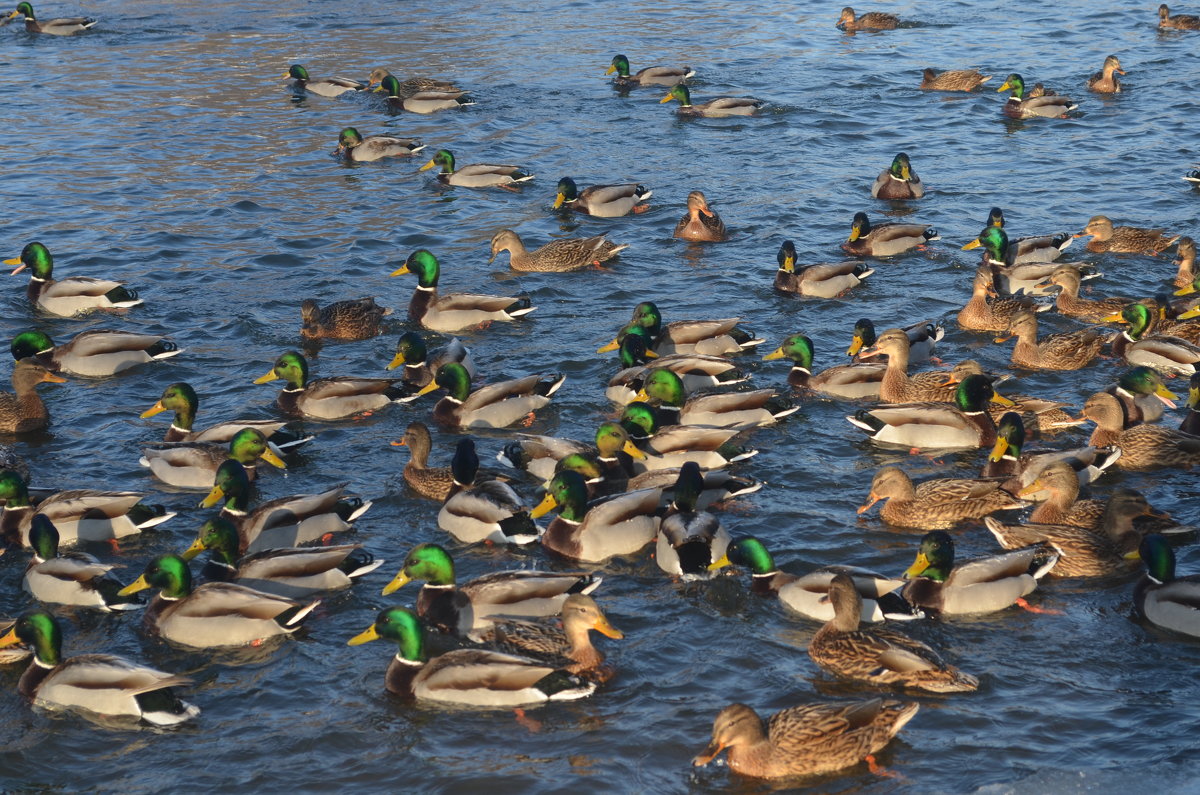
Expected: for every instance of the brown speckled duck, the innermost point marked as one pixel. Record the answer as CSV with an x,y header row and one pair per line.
x,y
1069,350
1185,277
953,80
1177,22
1124,239
24,411
1143,447
1068,302
359,319
984,313
937,504
872,20
700,223
1104,81
567,254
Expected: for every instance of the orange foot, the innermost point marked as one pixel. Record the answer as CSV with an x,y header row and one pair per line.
x,y
529,418
1043,610
482,326
922,248
325,539
640,208
533,725
256,642
116,546
936,360
874,767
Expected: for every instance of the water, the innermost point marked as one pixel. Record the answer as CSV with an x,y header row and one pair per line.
x,y
162,149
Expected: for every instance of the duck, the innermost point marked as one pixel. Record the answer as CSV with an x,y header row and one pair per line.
x,y
985,312
69,578
413,85
1019,106
465,677
689,539
193,465
424,102
936,426
1124,239
938,504
72,296
817,281
16,652
1170,318
284,521
467,609
1104,81
1068,279
1161,598
290,572
665,447
476,175
62,26
1062,506
602,201
22,410
213,614
718,108
1178,21
923,338
854,381
337,398
95,684
898,181
697,371
849,22
454,311
595,532
982,585
897,385
359,319
1143,395
539,455
665,391
1143,447
323,87
564,254
496,405
483,510
650,76
420,366
700,223
1044,417
952,80
1185,258
886,240
1069,350
436,483
1137,346
708,337
807,740
93,354
356,148
1191,422
879,656
181,398
569,646
1021,265
715,485
1008,458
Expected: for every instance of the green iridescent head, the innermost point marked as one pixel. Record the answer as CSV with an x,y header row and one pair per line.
x,y
218,535
169,573
974,393
681,93
1014,83
231,487
996,217
427,563
798,348
348,139
566,491
749,553
1010,437
901,167
620,65
688,486
862,337
583,464
612,438
37,258
179,398
639,419
1145,381
30,343
647,316
390,85
297,72
400,625
1159,558
13,490
1139,317
454,378
422,263
292,367
248,445
664,387
567,191
443,159
40,631
859,227
635,347
995,242
410,349
935,558
43,537
26,10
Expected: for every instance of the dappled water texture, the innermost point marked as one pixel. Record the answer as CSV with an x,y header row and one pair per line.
x,y
163,149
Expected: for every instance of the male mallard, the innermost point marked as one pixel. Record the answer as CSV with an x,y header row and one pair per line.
x,y
539,455
819,281
1160,597
359,319
97,684
1019,106
449,607
937,504
664,390
22,410
872,20
935,426
1104,81
696,370
1124,239
672,446
193,465
569,647
62,26
355,147
886,240
1008,458
808,740
1068,302
93,354
215,613
715,108
420,366
424,101
849,381
1185,258
1069,350
1021,265
953,80
597,531
689,539
898,181
466,677
1178,22
328,398
1142,446
879,656
1191,423
485,510
413,85
715,485
897,385
71,296
495,405
1137,347
602,201
454,311
182,399
564,254
983,585
709,337
700,223
322,87
923,337
1143,395
476,175
650,76
69,578
984,312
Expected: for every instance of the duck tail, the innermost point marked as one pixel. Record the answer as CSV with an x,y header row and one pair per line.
x,y
290,619
146,516
522,306
562,686
123,296
546,388
519,528
359,562
864,419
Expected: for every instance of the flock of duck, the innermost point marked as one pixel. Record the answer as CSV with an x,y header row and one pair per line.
x,y
649,477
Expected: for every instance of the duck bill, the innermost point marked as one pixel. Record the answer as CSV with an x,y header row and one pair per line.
x,y
366,636
866,506
612,346
642,396
15,261
867,354
396,361
1134,555
195,549
10,638
425,390
1156,513
1168,397
140,584
558,201
649,354
401,443
157,408
403,269
1190,313
856,345
665,99
214,497
1191,288
918,568
1002,400
707,211
610,70
633,451
998,449
269,376
398,582
720,564
427,166
608,630
789,264
1032,488
708,754
544,507
773,355
855,234
51,378
1115,317
272,458
973,244
1004,87
1003,338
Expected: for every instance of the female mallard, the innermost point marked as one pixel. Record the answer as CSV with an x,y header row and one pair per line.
x,y
22,410
420,366
985,312
424,101
432,482
290,572
359,319
282,522
983,585
938,504
1142,446
1057,485
460,610
818,281
1033,248
96,684
898,181
897,385
193,465
1124,239
182,399
1019,106
465,677
1185,258
358,149
322,87
62,26
848,381
69,578
213,614
650,76
93,354
672,446
495,405
1137,346
808,740
953,80
476,175
886,240
872,20
664,390
328,398
718,108
565,254
923,337
71,296
935,426
1178,22
569,647
700,223
879,656
689,539
597,531
1069,350
454,311
1093,310
413,85
483,510
1143,395
708,337
1008,458
1160,597
1104,82
602,201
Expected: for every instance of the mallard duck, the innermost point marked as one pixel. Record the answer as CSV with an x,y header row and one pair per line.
x,y
355,147
935,426
1060,484
1067,278
1143,395
193,465
71,296
602,201
476,175
413,85
466,677
1142,446
664,390
700,223
1069,350
898,181
708,337
984,312
69,578
689,539
96,684
1018,106
1185,258
1160,597
650,76
569,647
886,240
435,483
495,405
483,510
1045,417
849,381
717,108
983,585
322,87
451,608
290,572
328,398
424,101
594,532
1191,423
62,26
696,370
879,656
1192,176
808,740
1178,22
672,446
539,455
715,485
564,254
1022,265
1170,320
454,311
359,319
818,281
1104,82
1008,458
22,410
1124,239
937,504
953,80
182,399
93,354
1137,347
16,652
923,337
872,20
420,366
282,522
897,385
213,614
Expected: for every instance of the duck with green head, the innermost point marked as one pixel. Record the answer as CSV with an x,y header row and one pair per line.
x,y
983,585
1009,460
898,181
1162,598
69,578
356,148
923,338
72,296
664,390
1019,106
595,532
193,465
495,405
476,175
602,201
61,26
650,76
454,311
1191,423
182,399
1137,345
935,426
1143,395
420,365
612,453
483,509
853,381
886,240
818,281
718,108
93,354
1000,256
708,337
1035,248
328,398
301,83
672,446
428,100
698,371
